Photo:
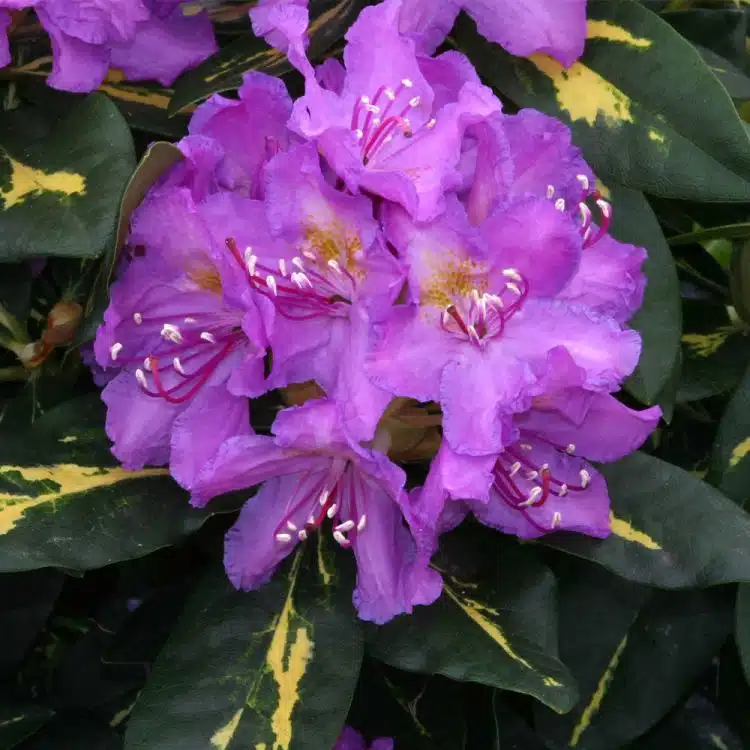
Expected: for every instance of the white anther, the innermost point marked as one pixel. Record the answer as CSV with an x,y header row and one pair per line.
x,y
300,280
282,266
372,108
309,254
311,520
407,83
189,321
583,180
147,364
377,121
571,449
514,469
431,124
532,498
359,133
297,261
585,213
138,318
334,264
532,475
331,512
556,519
291,526
586,235
407,124
473,335
362,523
563,490
178,365
346,526
323,499
171,333
251,262
208,336
585,478
284,538
514,288
271,283
140,376
114,350
511,273
560,204
302,535
526,447
364,99
415,101
494,300
390,94
543,467
341,539
550,191
387,139
605,208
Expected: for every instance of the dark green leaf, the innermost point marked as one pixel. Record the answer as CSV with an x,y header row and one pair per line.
x,y
274,668
631,101
659,320
669,529
497,627
75,733
19,720
59,194
634,652
329,19
64,501
728,231
742,627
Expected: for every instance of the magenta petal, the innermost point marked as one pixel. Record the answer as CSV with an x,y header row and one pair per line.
x,y
350,739
251,550
212,417
5,21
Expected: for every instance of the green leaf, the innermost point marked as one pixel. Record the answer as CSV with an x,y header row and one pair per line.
x,y
632,103
659,320
19,720
727,231
274,668
59,194
714,352
497,627
64,501
329,19
634,652
669,529
742,627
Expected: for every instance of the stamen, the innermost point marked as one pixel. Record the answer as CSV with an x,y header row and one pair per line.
x,y
251,261
297,261
556,519
571,449
208,336
514,288
532,475
301,280
583,180
550,191
514,469
271,282
178,365
415,102
341,539
140,376
323,499
147,364
138,318
359,133
190,320
560,204
114,350
605,208
563,490
282,266
309,254
585,478
390,94
171,333
346,526
302,535
334,264
283,538
431,124
331,512
291,526
362,523
526,447
407,83
511,273
534,495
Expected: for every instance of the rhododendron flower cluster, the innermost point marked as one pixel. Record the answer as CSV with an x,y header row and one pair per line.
x,y
408,257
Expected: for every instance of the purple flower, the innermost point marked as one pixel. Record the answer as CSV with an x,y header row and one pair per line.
x,y
184,329
145,39
485,332
331,276
523,27
312,472
392,129
350,739
543,481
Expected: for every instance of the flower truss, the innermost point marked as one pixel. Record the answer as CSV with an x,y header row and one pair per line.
x,y
407,256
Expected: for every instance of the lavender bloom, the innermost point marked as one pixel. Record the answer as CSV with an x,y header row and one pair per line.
x,y
184,329
394,130
485,331
543,481
350,739
145,39
523,27
311,473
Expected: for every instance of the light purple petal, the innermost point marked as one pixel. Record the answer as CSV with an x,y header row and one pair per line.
x,y
523,27
427,21
101,22
163,48
350,739
5,21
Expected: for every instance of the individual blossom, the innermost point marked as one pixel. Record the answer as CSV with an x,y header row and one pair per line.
x,y
544,480
328,277
312,474
523,27
144,39
484,327
388,122
184,331
351,739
